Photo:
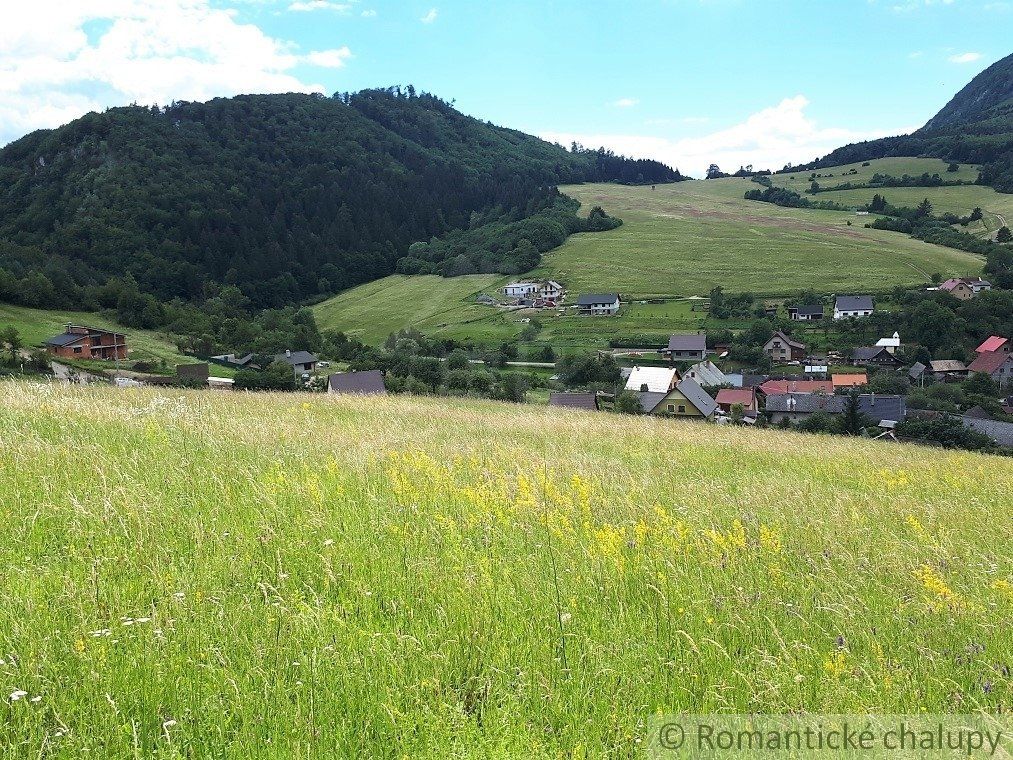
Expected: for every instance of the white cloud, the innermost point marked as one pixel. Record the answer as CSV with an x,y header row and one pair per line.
x,y
769,138
329,59
430,17
370,13
319,5
625,102
964,58
59,60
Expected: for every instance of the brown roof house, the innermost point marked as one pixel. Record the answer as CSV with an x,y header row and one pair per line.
x,y
586,401
729,397
781,348
81,342
368,383
997,365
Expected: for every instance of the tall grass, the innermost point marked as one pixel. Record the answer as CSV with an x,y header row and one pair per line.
x,y
199,574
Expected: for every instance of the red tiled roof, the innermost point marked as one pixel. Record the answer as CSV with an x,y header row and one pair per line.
x,y
731,396
849,381
992,344
988,363
797,386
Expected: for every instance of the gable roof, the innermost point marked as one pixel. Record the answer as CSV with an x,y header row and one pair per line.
x,y
732,396
771,387
597,298
880,406
853,303
707,373
586,401
952,283
989,362
657,379
368,382
807,311
65,339
687,342
789,341
805,403
296,357
947,365
649,401
867,353
850,380
892,342
697,396
916,371
994,343
1000,432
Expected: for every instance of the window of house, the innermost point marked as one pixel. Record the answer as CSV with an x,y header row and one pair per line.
x,y
671,407
682,409
77,349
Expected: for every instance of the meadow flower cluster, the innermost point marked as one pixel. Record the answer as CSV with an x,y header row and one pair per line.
x,y
368,577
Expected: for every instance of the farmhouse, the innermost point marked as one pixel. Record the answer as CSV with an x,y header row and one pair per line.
x,y
599,304
875,356
357,383
680,347
945,369
997,365
853,306
854,380
707,374
965,289
993,344
729,397
805,313
82,342
774,387
687,399
300,361
781,348
585,401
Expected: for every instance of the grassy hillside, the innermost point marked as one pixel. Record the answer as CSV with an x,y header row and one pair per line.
x,y
396,577
36,325
684,239
960,200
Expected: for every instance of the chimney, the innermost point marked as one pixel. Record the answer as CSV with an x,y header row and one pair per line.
x,y
288,353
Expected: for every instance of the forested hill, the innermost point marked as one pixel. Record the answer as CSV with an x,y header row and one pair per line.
x,y
283,196
976,126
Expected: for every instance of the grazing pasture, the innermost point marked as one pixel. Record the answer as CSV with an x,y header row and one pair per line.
x,y
194,574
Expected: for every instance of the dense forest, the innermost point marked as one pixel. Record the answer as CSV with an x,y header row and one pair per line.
x,y
282,197
975,127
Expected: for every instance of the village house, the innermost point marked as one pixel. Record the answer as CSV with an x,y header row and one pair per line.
x,y
532,291
1000,432
682,347
993,344
82,342
874,356
997,364
366,383
300,361
882,409
964,288
891,344
521,289
586,401
853,380
599,304
948,369
773,387
853,306
729,397
686,399
708,375
781,348
652,379
805,313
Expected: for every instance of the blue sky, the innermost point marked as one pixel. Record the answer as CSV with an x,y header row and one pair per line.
x,y
687,81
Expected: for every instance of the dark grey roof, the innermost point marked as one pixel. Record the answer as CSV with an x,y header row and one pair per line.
x,y
597,298
752,381
916,371
805,403
807,310
879,407
688,342
853,303
697,396
65,339
792,343
649,400
1000,432
368,382
867,353
296,357
588,401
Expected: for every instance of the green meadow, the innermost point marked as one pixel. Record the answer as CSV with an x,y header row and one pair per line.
x,y
195,574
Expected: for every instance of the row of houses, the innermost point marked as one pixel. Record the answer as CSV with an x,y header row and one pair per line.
x,y
845,307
